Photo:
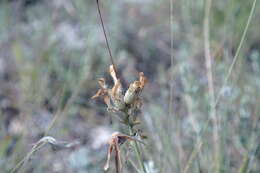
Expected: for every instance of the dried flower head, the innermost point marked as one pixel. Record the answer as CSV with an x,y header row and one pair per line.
x,y
114,97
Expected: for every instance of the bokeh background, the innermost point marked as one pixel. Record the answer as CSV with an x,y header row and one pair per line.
x,y
53,52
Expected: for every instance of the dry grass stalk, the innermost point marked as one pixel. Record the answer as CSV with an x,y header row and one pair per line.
x,y
38,145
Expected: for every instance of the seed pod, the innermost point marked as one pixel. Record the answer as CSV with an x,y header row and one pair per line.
x,y
132,92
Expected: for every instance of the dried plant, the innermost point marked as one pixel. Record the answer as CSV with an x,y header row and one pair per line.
x,y
114,145
116,100
128,104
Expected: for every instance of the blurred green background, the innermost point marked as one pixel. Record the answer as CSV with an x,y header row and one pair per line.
x,y
53,52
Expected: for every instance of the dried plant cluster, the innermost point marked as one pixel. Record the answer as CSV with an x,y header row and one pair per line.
x,y
128,104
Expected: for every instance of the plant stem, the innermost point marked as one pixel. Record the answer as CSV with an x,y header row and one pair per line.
x,y
237,52
211,90
104,32
137,150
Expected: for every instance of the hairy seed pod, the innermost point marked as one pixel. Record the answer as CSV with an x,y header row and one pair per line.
x,y
132,92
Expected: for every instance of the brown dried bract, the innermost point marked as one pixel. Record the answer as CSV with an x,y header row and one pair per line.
x,y
103,92
114,145
112,72
116,91
143,80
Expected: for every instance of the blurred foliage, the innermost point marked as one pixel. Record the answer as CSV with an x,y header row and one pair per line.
x,y
52,52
